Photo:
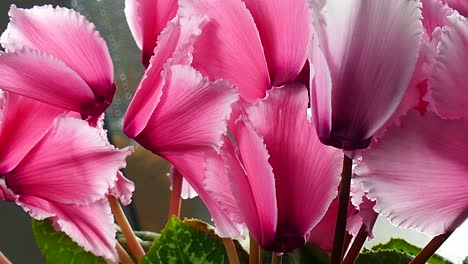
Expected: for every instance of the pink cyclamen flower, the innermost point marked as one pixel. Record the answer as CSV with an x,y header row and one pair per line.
x,y
60,168
417,173
147,19
284,177
56,56
363,56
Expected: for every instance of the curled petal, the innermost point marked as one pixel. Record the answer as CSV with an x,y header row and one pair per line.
x,y
229,47
460,5
71,164
174,47
448,89
24,122
285,31
39,76
147,19
371,68
187,191
5,193
67,36
435,14
417,174
304,169
191,114
91,226
123,189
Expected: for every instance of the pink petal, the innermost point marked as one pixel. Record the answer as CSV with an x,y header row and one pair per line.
x,y
147,19
69,37
285,31
174,47
5,193
460,5
253,182
39,76
71,164
417,174
24,122
192,113
229,47
196,167
448,90
123,189
434,14
322,235
91,226
369,66
187,191
305,170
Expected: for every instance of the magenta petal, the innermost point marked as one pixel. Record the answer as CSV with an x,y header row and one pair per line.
x,y
91,226
199,168
253,182
460,5
24,122
191,114
71,164
418,175
285,31
305,170
123,189
39,76
448,89
69,37
147,19
366,65
174,47
229,47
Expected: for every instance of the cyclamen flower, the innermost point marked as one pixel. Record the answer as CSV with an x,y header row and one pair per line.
x,y
361,74
284,177
60,168
56,56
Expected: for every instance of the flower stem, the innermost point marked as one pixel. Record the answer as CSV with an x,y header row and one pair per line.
x,y
231,251
123,255
127,231
254,256
4,259
176,201
430,248
276,258
340,230
358,242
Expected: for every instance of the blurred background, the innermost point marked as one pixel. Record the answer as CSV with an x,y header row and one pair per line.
x,y
151,198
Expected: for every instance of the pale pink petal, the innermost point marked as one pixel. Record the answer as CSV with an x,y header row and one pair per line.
x,y
253,182
366,214
174,47
71,165
5,193
69,37
24,122
285,31
193,166
123,189
370,67
323,233
229,47
147,19
434,14
91,226
39,76
448,89
320,90
305,170
460,5
191,114
418,174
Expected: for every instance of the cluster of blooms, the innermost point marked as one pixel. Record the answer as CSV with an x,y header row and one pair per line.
x,y
253,103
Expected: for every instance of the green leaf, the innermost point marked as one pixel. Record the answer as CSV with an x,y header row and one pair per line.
x,y
403,246
58,248
384,256
189,242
